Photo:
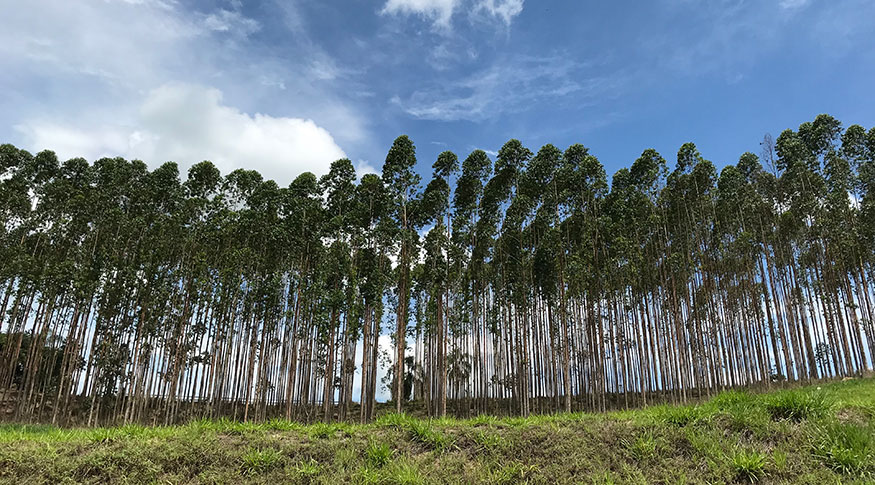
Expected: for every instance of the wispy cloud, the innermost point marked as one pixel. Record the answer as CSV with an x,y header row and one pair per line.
x,y
441,12
231,21
505,10
509,87
791,4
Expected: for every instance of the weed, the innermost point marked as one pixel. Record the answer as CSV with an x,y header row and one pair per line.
x,y
422,432
780,460
679,415
643,447
705,443
309,468
367,476
395,420
604,478
321,430
404,474
260,461
514,472
733,398
484,420
282,425
488,441
748,465
378,455
846,448
797,405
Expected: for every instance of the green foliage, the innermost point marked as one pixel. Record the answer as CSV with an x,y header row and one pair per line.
x,y
488,441
484,420
403,473
642,447
797,405
397,420
307,469
260,461
423,432
572,448
514,472
378,455
846,448
748,465
680,415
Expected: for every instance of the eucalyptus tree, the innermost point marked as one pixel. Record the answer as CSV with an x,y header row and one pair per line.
x,y
435,211
128,295
402,188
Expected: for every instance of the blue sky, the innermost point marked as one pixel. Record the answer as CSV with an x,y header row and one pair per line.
x,y
290,85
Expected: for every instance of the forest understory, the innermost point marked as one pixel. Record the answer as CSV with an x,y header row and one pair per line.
x,y
820,434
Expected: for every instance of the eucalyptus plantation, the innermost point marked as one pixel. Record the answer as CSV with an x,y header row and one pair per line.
x,y
532,285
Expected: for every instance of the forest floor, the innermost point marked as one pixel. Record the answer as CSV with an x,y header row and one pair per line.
x,y
817,435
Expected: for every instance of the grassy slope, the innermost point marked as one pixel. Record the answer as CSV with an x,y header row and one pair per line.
x,y
818,435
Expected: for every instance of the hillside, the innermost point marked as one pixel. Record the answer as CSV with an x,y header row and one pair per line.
x,y
821,434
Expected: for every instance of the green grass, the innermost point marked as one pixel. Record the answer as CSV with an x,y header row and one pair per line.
x,y
846,448
748,466
816,435
799,404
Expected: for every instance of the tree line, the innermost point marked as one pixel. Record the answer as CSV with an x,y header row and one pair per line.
x,y
525,285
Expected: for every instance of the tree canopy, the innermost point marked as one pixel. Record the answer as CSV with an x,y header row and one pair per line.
x,y
534,284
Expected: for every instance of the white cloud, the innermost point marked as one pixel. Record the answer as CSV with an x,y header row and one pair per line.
x,y
440,11
505,10
232,22
363,167
79,76
189,123
508,87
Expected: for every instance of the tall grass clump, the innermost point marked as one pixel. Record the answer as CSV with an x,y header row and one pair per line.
x,y
422,432
260,461
846,448
798,405
378,455
748,466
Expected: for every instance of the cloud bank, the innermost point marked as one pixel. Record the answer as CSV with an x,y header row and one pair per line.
x,y
188,123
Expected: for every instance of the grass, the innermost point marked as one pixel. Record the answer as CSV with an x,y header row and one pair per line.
x,y
378,455
748,466
846,448
815,435
799,404
260,461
